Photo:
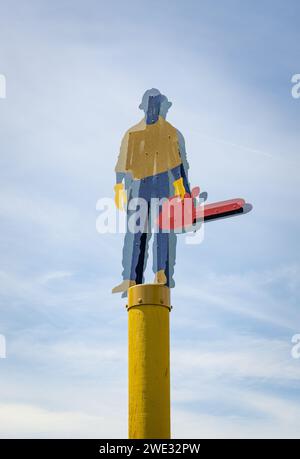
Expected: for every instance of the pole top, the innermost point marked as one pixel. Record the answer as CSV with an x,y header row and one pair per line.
x,y
149,294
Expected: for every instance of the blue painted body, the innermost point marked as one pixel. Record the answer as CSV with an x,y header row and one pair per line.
x,y
153,110
135,251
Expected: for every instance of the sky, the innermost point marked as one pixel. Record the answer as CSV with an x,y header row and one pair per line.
x,y
75,73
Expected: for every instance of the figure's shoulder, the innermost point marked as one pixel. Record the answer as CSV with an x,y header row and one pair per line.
x,y
168,125
177,132
137,127
180,136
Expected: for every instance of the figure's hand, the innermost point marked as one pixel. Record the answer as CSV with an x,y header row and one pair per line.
x,y
179,189
120,196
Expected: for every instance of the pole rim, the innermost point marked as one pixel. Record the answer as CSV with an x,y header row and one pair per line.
x,y
149,294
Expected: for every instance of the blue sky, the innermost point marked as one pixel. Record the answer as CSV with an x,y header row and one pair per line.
x,y
75,74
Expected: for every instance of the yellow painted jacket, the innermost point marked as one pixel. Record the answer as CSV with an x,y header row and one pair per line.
x,y
149,149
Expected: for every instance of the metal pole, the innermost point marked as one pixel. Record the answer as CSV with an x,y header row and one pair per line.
x,y
149,361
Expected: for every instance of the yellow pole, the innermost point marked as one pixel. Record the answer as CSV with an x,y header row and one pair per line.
x,y
149,361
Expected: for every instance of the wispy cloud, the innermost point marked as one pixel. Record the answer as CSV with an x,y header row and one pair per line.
x,y
30,421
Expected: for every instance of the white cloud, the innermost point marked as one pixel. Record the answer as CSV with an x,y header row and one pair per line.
x,y
239,358
30,421
54,276
192,425
244,294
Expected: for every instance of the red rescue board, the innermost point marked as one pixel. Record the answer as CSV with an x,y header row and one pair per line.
x,y
222,209
182,215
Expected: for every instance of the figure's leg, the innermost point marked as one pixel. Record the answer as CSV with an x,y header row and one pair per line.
x,y
161,238
133,260
130,242
128,249
142,261
171,259
140,228
161,257
164,258
127,254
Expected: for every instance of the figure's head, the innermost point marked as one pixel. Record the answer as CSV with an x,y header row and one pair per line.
x,y
154,104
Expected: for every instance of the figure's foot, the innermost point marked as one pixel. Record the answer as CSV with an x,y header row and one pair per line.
x,y
160,277
124,286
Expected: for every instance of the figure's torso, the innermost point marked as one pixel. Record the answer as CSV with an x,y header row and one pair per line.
x,y
152,150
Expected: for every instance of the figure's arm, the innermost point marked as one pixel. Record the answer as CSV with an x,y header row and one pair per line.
x,y
179,173
120,176
120,169
179,189
185,165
